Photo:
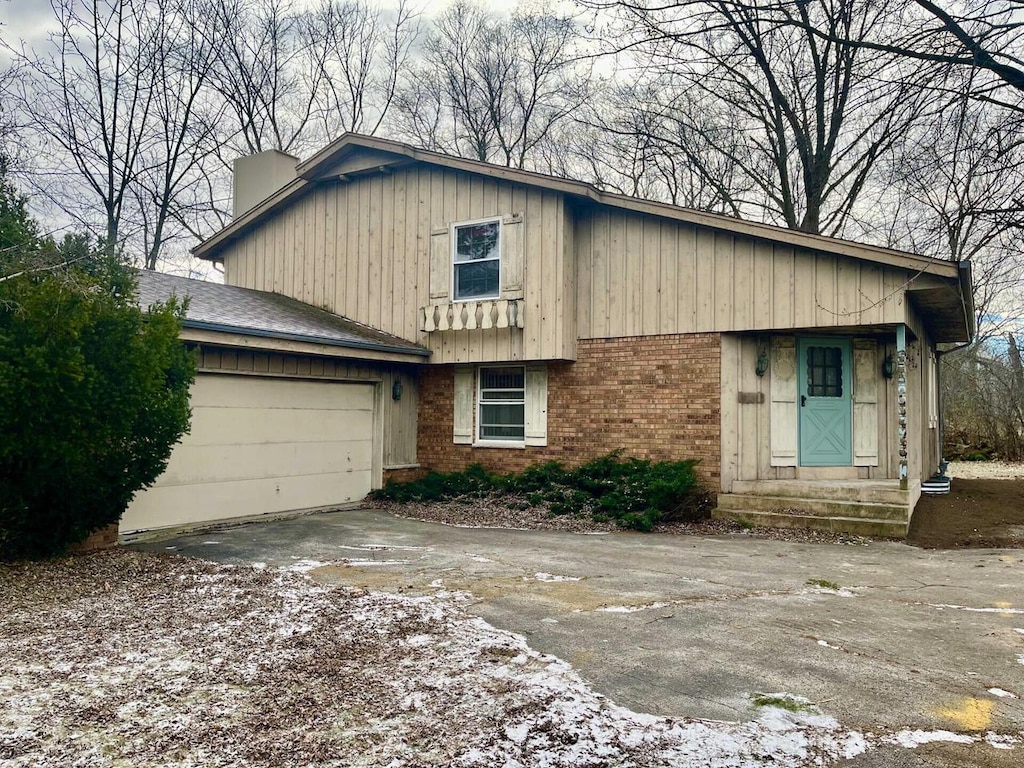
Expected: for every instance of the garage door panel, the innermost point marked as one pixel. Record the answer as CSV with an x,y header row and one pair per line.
x,y
220,426
251,392
192,463
174,505
261,445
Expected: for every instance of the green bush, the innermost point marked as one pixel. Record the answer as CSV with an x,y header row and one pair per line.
x,y
93,393
633,493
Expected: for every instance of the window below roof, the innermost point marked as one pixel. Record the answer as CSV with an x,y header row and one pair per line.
x,y
476,260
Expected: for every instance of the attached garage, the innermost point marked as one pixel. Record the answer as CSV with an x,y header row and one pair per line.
x,y
264,445
293,408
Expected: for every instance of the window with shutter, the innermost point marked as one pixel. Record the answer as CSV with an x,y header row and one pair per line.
x,y
501,405
476,260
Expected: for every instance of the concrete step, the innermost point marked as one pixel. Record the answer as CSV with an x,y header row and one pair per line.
x,y
851,525
879,492
863,510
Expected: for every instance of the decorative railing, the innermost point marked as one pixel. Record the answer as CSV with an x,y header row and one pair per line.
x,y
470,315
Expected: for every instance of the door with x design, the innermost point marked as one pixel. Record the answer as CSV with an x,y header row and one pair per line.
x,y
825,402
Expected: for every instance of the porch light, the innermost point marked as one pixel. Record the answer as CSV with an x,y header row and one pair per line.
x,y
762,359
396,390
888,367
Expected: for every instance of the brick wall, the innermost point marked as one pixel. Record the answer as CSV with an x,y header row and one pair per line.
x,y
104,538
403,474
656,397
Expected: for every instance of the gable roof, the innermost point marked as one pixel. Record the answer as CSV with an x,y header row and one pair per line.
x,y
246,312
378,154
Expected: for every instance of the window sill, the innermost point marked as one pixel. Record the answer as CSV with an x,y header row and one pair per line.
x,y
514,444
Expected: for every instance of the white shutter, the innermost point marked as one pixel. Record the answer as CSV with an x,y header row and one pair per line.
x,y
536,404
440,264
866,371
783,406
462,431
512,257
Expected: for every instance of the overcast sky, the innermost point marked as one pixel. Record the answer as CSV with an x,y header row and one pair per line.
x,y
26,19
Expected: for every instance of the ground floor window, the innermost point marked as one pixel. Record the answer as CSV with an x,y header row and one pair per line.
x,y
502,403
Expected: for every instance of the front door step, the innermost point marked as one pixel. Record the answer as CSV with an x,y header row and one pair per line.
x,y
827,473
890,529
861,508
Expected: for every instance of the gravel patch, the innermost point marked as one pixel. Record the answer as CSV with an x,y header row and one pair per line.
x,y
986,470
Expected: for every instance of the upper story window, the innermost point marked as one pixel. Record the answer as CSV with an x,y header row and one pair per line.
x,y
477,260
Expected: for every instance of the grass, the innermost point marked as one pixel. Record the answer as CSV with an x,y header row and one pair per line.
x,y
782,701
823,584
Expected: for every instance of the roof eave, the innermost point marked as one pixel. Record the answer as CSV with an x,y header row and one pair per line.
x,y
416,354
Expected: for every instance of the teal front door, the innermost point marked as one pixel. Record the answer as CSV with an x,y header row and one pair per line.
x,y
826,412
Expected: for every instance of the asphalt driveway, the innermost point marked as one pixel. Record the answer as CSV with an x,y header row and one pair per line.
x,y
695,626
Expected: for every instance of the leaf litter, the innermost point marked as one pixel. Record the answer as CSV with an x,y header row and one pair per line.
x,y
123,659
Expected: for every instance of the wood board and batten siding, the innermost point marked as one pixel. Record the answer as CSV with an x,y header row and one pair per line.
x,y
362,248
646,275
759,414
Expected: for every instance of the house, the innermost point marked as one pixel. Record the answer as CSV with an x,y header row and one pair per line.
x,y
405,310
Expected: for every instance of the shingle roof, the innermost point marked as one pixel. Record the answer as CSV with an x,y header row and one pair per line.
x,y
228,308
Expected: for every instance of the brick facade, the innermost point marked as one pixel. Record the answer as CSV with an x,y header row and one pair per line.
x,y
656,397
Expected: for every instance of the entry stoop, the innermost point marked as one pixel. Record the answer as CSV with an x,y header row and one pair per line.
x,y
858,507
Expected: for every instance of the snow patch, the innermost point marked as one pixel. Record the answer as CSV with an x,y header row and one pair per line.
x,y
361,562
1002,693
841,592
551,577
827,644
1002,740
302,566
631,608
913,739
942,606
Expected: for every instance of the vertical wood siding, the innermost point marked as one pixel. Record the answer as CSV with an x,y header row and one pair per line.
x,y
399,417
641,275
746,426
362,249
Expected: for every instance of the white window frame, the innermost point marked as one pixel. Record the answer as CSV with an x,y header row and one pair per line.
x,y
454,237
497,442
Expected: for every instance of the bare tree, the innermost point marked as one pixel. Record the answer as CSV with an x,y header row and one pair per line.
x,y
951,181
170,189
119,100
628,147
90,99
356,53
799,120
294,77
259,75
493,88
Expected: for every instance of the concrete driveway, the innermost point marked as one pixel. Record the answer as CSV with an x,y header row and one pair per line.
x,y
694,626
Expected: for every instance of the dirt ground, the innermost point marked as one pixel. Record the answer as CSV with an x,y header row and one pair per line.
x,y
984,508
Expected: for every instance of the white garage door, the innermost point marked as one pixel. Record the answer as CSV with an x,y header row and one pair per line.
x,y
263,445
